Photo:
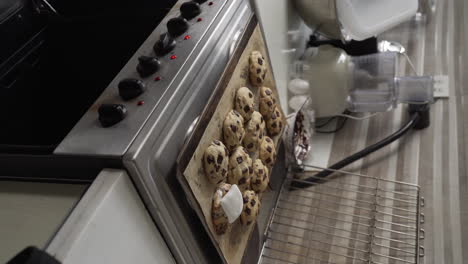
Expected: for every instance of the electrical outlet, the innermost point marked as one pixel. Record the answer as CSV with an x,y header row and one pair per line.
x,y
441,86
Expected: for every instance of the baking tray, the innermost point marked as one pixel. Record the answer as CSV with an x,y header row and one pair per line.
x,y
231,246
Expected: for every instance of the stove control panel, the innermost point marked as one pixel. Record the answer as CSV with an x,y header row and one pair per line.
x,y
151,78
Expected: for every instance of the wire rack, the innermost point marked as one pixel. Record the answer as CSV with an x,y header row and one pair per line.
x,y
346,218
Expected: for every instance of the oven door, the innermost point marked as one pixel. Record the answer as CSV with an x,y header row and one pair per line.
x,y
151,160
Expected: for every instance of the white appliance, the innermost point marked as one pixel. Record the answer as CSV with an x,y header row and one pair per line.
x,y
333,76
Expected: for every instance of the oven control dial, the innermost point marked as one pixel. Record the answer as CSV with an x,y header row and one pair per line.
x,y
111,114
147,66
164,45
189,10
177,26
130,88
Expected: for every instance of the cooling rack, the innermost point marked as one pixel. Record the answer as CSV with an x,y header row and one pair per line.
x,y
346,218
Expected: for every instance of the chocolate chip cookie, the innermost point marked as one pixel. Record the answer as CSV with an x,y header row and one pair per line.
x,y
233,129
216,161
267,101
274,122
268,151
257,68
261,177
254,131
251,208
218,216
240,168
244,103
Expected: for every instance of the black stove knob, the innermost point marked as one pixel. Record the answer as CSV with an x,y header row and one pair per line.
x,y
200,1
147,66
164,45
177,26
189,10
130,88
111,114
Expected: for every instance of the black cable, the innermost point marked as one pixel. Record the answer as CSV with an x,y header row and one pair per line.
x,y
328,121
339,126
317,178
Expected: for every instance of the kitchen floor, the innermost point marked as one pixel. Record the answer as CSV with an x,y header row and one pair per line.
x,y
435,158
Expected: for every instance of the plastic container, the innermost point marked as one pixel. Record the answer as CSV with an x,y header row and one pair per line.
x,y
374,87
361,19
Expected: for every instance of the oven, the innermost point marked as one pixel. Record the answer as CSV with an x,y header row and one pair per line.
x,y
104,86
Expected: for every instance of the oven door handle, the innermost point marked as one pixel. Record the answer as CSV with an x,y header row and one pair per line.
x,y
234,42
191,128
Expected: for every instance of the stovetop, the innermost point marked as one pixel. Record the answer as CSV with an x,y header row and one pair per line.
x,y
73,60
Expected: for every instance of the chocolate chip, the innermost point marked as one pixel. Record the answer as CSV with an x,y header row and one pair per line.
x,y
268,91
239,160
259,70
247,211
250,95
210,159
259,80
242,181
263,76
264,177
274,125
234,128
259,181
253,202
260,171
223,172
246,199
246,108
249,222
220,159
269,103
211,172
244,171
280,125
273,116
268,161
220,181
260,61
250,145
217,167
250,170
260,136
257,126
238,122
268,140
269,149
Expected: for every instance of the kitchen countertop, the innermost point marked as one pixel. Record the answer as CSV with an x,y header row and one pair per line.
x,y
434,158
31,213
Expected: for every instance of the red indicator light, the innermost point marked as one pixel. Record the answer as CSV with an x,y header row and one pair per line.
x,y
210,3
140,103
199,19
173,57
187,37
157,78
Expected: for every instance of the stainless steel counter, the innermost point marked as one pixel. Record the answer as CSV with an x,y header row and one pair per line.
x,y
434,158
